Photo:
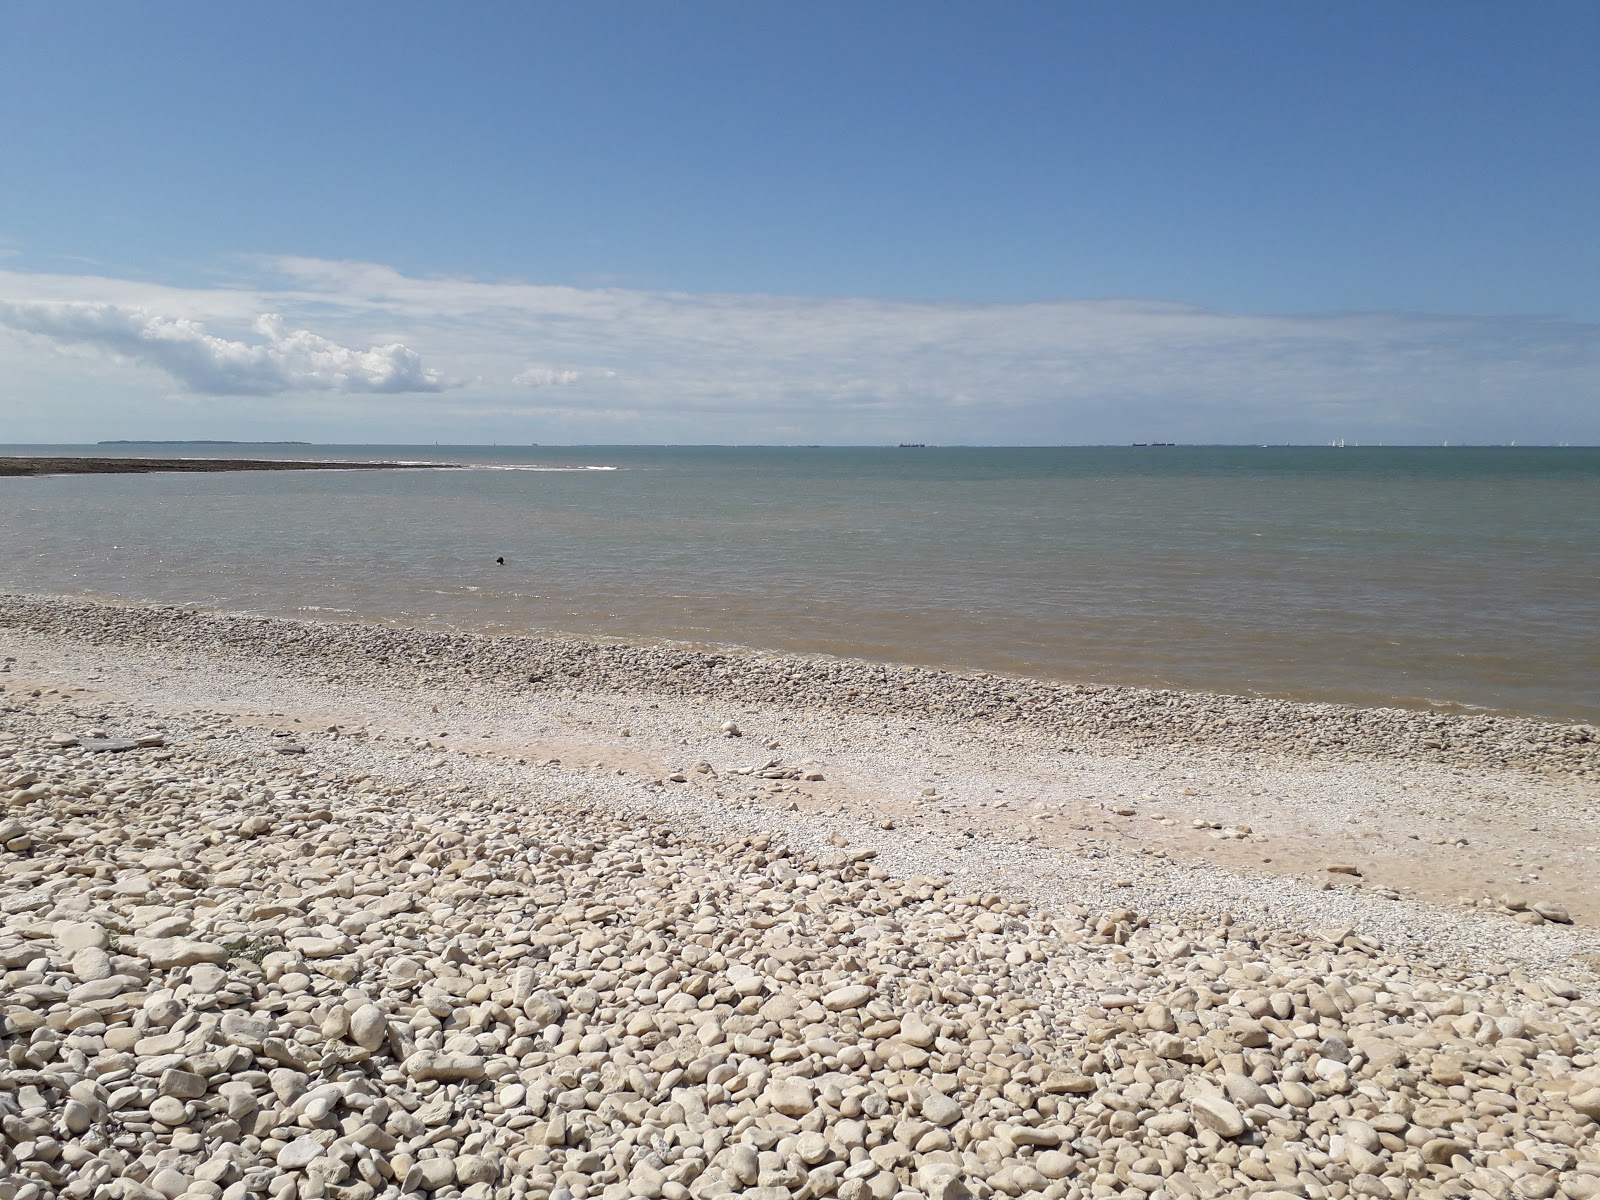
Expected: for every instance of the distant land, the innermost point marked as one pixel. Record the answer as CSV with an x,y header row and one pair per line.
x,y
11,465
190,442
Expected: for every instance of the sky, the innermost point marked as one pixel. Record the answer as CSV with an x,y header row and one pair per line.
x,y
836,223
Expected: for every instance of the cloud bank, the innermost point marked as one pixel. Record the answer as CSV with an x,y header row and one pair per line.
x,y
284,360
530,362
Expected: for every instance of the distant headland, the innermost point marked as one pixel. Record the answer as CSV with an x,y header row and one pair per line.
x,y
16,465
190,442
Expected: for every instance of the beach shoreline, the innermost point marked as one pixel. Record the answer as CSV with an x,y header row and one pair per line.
x,y
1130,717
293,907
1123,788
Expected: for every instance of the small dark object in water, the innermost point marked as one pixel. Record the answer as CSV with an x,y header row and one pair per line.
x,y
501,561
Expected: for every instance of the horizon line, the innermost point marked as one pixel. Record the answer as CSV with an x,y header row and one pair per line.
x,y
233,442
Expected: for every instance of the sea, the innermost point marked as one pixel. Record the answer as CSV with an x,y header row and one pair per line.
x,y
1458,578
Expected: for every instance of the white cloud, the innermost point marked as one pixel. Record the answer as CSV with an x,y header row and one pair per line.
x,y
536,377
284,360
751,368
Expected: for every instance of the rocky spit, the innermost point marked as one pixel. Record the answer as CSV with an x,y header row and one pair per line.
x,y
12,465
243,960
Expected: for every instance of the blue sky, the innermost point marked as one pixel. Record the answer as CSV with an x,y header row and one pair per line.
x,y
1031,222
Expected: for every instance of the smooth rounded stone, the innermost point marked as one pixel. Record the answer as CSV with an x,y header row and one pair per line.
x,y
793,1097
245,1029
169,1110
1030,1135
169,1182
207,979
1331,1071
101,989
851,995
73,936
185,1085
811,1148
475,1168
173,925
916,1031
336,1024
544,1008
319,1108
1245,1091
584,1000
220,1168
318,947
1587,1102
430,1175
166,953
107,745
1218,1115
940,1109
161,1008
1361,1161
1173,1120
445,1068
299,1154
1018,1179
1440,1151
1360,1133
368,1027
938,1181
1297,1094
1053,1164
373,1137
77,1116
743,1164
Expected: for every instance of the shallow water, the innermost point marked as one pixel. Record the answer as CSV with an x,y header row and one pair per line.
x,y
1465,577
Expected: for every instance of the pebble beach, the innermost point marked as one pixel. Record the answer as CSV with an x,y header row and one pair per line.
x,y
298,909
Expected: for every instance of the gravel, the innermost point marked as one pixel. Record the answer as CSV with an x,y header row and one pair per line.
x,y
697,964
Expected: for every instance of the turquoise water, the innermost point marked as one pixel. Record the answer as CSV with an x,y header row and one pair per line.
x,y
1449,576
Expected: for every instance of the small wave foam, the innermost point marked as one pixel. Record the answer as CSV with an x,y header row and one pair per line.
x,y
524,467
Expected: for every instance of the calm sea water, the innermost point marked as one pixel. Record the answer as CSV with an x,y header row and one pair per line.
x,y
1462,577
